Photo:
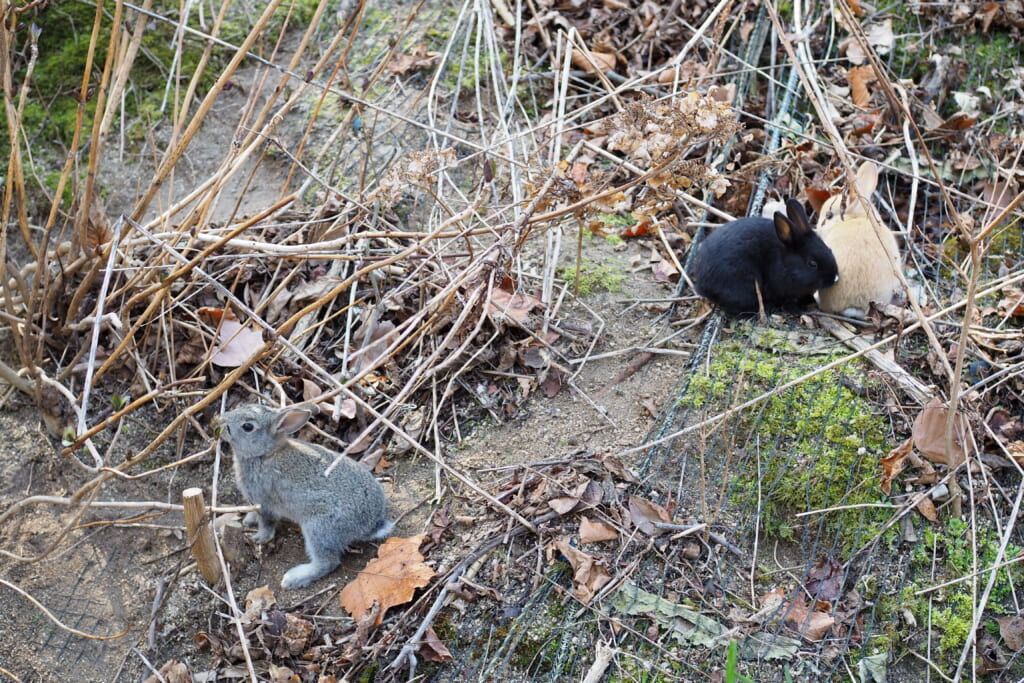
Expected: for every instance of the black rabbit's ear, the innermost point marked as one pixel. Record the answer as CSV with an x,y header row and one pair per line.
x,y
291,421
785,230
798,218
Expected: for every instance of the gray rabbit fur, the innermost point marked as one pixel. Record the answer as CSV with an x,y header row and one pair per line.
x,y
285,477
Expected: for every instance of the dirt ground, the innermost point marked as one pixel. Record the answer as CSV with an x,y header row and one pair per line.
x,y
105,578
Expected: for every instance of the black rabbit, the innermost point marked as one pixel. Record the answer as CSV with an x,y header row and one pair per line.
x,y
783,258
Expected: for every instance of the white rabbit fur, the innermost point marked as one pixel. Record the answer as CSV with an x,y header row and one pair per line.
x,y
285,477
868,258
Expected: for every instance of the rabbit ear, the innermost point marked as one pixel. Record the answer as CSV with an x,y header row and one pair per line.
x,y
867,179
795,228
290,421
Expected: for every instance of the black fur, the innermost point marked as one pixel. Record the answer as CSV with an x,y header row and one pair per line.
x,y
784,256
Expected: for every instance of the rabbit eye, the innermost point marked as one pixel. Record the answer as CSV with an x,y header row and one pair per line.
x,y
812,263
248,426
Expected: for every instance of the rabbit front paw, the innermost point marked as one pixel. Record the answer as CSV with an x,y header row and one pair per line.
x,y
302,575
251,518
265,534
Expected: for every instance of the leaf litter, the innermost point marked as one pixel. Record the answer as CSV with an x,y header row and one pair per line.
x,y
509,324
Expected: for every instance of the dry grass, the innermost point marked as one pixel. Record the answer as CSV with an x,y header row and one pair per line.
x,y
409,241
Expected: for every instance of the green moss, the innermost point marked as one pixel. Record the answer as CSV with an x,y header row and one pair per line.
x,y
51,110
594,277
819,441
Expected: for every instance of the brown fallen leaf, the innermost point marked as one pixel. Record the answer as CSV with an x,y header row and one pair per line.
x,y
287,634
927,509
812,623
389,579
551,382
594,61
817,196
644,514
257,601
929,434
893,464
236,343
171,672
825,580
1012,630
664,269
282,674
420,58
1016,451
589,572
596,532
505,304
859,77
432,649
95,227
617,468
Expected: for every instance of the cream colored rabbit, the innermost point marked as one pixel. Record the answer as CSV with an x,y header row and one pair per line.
x,y
868,258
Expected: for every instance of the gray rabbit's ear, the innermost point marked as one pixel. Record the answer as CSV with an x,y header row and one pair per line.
x,y
290,421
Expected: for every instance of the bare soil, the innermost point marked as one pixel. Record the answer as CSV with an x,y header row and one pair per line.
x,y
106,578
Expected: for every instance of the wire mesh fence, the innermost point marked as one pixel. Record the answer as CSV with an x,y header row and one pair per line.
x,y
446,157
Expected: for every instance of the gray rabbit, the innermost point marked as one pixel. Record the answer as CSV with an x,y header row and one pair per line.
x,y
285,477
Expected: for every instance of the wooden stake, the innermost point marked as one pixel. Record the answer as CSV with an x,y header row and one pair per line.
x,y
200,534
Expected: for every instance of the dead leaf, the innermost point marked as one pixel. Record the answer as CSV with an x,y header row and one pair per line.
x,y
349,409
595,60
420,58
987,13
927,509
664,269
236,343
644,514
817,196
282,674
589,572
389,579
596,532
171,672
638,229
1012,631
930,434
893,464
812,623
376,340
859,77
587,493
825,580
551,383
999,192
578,172
95,225
257,601
880,36
432,649
287,634
1016,450
504,304
615,466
